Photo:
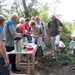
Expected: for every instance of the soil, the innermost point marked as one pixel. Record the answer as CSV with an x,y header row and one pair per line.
x,y
49,66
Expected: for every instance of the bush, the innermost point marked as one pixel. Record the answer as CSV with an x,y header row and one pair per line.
x,y
65,57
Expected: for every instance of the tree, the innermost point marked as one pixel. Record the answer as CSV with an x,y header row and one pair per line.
x,y
3,10
29,9
43,13
25,8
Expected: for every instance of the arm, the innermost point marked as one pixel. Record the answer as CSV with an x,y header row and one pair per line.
x,y
62,27
27,29
49,31
13,31
17,34
49,34
41,33
3,52
32,35
36,36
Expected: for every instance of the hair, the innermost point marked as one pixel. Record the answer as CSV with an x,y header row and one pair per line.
x,y
37,17
53,15
32,23
33,17
27,19
2,19
21,20
13,16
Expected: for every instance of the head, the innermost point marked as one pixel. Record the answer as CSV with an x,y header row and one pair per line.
x,y
33,18
32,24
22,20
53,17
27,20
2,21
37,18
14,18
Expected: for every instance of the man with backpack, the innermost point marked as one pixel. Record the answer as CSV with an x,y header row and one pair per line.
x,y
54,33
41,25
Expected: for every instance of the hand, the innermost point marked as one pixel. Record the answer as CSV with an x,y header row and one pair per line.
x,y
6,63
26,31
59,30
32,35
39,36
19,34
36,36
49,38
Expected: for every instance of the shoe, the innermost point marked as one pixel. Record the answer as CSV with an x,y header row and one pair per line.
x,y
16,70
36,62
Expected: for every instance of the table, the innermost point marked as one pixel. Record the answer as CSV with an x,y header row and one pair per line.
x,y
27,53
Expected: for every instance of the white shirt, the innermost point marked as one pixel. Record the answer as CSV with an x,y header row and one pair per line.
x,y
42,25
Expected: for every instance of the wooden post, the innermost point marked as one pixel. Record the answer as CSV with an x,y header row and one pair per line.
x,y
33,62
28,64
18,60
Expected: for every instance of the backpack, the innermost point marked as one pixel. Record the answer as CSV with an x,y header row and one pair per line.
x,y
42,25
44,29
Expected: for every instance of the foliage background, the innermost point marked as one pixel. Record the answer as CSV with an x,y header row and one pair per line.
x,y
27,9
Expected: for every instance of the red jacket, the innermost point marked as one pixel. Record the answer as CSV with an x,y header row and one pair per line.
x,y
24,27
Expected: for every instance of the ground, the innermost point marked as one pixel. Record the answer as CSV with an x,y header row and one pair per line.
x,y
49,66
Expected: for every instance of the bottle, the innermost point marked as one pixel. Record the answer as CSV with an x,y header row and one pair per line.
x,y
26,41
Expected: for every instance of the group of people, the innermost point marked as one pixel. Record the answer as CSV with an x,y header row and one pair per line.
x,y
36,31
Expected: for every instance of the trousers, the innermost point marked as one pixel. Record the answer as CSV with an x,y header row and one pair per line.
x,y
12,58
4,70
55,41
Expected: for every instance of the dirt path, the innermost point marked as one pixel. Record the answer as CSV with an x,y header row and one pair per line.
x,y
53,70
49,66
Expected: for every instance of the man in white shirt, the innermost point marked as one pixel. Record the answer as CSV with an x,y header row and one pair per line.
x,y
41,25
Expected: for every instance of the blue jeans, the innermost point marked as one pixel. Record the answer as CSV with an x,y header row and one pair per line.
x,y
29,38
4,70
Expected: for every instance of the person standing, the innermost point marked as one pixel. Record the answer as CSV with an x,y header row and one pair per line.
x,y
54,33
41,25
10,32
36,34
21,22
25,29
4,61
